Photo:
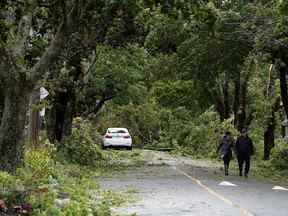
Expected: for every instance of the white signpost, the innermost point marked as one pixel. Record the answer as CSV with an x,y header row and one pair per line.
x,y
43,94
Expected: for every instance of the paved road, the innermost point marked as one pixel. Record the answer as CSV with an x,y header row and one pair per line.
x,y
178,189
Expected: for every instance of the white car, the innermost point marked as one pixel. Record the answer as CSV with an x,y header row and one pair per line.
x,y
117,137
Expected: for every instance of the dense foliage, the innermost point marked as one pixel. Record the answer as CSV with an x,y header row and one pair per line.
x,y
176,73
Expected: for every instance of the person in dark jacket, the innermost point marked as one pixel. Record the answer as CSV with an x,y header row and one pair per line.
x,y
225,150
244,149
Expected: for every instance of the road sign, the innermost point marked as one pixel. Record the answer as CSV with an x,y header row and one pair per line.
x,y
43,93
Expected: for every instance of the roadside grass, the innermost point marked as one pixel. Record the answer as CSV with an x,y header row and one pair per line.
x,y
49,186
267,171
260,169
123,159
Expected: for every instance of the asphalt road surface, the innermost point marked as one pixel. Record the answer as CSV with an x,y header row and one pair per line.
x,y
184,189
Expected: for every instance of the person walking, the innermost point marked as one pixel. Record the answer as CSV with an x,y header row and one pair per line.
x,y
244,149
225,149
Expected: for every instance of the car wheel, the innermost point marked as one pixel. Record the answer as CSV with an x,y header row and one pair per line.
x,y
129,148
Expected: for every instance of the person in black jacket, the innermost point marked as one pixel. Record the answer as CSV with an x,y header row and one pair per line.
x,y
225,149
244,149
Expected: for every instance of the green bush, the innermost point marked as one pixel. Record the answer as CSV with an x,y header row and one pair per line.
x,y
18,191
280,155
43,183
83,146
10,190
198,136
7,182
39,162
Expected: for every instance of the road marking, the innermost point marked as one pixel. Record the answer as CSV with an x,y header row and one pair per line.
x,y
226,183
279,188
243,211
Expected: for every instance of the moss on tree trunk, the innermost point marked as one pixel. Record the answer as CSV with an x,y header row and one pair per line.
x,y
12,128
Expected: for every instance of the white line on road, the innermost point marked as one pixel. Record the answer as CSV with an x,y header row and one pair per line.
x,y
243,211
226,183
279,188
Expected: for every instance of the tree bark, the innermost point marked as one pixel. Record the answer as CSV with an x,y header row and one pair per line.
x,y
1,104
220,107
283,69
240,114
226,98
269,137
60,117
236,102
12,127
17,83
34,120
269,134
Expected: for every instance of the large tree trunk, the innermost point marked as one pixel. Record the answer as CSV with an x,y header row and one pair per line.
x,y
16,94
12,128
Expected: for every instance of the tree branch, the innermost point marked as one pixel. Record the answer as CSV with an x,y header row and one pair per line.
x,y
66,28
23,31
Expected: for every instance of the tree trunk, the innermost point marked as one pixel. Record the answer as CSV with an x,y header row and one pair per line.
x,y
269,137
34,121
226,97
220,107
60,117
269,134
236,99
12,128
282,67
240,114
1,104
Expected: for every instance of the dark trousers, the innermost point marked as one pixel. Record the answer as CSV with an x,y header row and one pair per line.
x,y
241,160
226,160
